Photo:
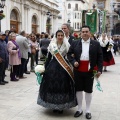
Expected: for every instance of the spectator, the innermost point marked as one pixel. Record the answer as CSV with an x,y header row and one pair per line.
x,y
14,57
44,43
3,58
22,41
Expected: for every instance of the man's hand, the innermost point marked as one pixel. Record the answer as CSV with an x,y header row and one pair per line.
x,y
1,60
76,64
98,74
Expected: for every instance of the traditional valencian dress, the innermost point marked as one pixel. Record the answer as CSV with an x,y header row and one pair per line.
x,y
107,54
57,87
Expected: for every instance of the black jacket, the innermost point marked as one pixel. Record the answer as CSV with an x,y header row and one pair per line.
x,y
44,43
71,39
3,51
95,54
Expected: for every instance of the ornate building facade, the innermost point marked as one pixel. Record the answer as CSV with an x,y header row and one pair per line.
x,y
30,15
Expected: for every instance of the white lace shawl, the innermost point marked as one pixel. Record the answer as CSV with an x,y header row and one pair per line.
x,y
63,49
103,44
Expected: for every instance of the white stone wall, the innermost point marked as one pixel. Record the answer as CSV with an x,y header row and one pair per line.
x,y
26,10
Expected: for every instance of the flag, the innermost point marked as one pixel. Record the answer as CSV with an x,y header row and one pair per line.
x,y
104,21
91,20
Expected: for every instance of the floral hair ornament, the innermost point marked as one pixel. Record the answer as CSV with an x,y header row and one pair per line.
x,y
39,70
98,85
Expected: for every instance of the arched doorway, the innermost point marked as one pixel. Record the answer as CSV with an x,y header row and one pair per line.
x,y
14,23
34,24
116,29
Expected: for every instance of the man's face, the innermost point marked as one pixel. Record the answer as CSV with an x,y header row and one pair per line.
x,y
65,29
85,33
3,37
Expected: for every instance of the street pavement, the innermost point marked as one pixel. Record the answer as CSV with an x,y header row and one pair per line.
x,y
18,100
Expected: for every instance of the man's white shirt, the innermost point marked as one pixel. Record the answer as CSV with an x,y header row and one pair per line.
x,y
85,50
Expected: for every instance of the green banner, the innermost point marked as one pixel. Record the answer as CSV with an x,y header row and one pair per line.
x,y
104,21
83,17
91,20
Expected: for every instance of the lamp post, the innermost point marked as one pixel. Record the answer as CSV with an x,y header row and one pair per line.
x,y
2,5
48,25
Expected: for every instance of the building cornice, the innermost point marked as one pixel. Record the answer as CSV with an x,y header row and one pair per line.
x,y
52,2
77,0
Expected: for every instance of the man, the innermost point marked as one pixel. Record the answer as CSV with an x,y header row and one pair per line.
x,y
85,54
6,38
3,58
66,29
24,46
44,43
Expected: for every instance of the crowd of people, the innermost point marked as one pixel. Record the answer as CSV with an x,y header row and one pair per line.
x,y
17,49
71,60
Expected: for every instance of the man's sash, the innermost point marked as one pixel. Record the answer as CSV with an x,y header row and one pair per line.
x,y
63,63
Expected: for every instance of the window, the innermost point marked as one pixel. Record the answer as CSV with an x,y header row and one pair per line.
x,y
34,20
78,16
14,15
78,26
75,15
75,25
76,7
34,24
69,6
59,17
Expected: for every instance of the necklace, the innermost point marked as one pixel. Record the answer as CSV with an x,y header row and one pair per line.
x,y
59,45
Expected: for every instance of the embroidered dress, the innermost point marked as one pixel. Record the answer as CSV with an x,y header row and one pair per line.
x,y
107,54
57,87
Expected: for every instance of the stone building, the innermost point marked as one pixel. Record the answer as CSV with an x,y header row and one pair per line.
x,y
30,15
74,10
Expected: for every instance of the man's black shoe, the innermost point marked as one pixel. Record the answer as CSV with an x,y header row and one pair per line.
x,y
2,83
60,111
55,111
88,115
5,82
27,72
78,113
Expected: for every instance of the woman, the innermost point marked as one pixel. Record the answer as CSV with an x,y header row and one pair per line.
x,y
107,54
14,57
34,49
57,86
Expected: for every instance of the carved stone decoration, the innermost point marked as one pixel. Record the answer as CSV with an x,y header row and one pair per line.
x,y
26,6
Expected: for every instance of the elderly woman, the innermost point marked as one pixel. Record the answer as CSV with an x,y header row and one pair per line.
x,y
14,57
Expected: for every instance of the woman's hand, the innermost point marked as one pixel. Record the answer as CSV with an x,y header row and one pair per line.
x,y
98,74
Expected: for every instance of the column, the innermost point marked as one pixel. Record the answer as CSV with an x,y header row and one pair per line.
x,y
23,17
44,23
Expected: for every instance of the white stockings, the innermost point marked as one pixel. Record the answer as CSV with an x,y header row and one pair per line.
x,y
88,98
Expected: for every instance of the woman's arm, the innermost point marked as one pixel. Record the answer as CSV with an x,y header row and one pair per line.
x,y
10,48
